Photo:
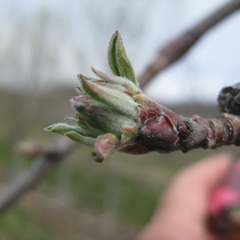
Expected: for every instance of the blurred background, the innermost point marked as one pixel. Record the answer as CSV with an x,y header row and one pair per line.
x,y
43,46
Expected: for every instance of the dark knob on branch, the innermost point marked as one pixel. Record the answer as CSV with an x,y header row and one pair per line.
x,y
229,99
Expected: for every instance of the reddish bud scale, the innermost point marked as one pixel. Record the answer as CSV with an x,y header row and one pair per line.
x,y
128,93
105,144
134,149
160,128
172,116
93,109
159,134
79,88
149,110
80,101
81,98
130,130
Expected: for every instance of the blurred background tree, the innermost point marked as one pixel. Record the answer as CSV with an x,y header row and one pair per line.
x,y
43,46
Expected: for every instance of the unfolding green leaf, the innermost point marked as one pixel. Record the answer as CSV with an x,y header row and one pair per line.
x,y
75,133
118,59
79,138
89,125
112,98
122,81
112,60
110,121
63,128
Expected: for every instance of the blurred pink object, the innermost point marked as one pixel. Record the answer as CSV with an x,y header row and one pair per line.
x,y
29,148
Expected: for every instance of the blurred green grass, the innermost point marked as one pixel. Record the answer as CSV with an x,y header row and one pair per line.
x,y
125,187
17,224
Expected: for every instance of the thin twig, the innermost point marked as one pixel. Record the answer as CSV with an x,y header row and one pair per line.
x,y
30,178
179,46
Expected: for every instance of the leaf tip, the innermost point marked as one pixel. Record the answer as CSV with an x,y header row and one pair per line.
x,y
79,77
94,70
116,34
48,129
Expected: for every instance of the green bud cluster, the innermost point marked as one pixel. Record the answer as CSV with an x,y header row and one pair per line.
x,y
110,109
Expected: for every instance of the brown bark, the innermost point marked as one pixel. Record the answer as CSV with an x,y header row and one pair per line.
x,y
31,177
171,132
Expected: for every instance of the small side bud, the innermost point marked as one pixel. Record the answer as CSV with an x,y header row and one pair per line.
x,y
29,148
229,99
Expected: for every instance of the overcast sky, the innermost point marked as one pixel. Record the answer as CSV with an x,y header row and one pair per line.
x,y
76,35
